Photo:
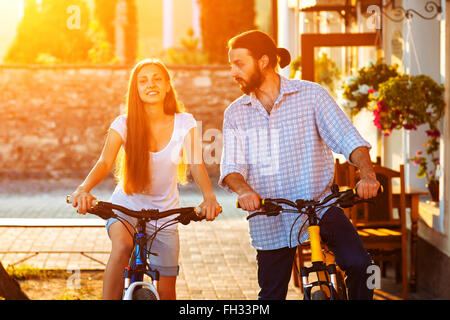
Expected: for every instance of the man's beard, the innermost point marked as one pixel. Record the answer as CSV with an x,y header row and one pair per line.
x,y
253,83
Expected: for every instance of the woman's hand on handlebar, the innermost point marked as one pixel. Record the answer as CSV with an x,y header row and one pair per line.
x,y
82,199
210,208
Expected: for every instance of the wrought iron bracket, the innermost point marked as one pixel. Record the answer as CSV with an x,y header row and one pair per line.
x,y
431,7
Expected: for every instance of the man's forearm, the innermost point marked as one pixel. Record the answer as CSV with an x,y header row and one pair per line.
x,y
248,199
361,158
236,182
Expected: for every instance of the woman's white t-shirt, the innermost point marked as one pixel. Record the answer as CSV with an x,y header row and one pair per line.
x,y
163,194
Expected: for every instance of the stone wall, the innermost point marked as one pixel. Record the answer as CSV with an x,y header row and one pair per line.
x,y
54,119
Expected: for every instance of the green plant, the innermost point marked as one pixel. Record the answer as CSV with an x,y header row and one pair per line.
x,y
26,272
406,102
102,50
189,53
360,90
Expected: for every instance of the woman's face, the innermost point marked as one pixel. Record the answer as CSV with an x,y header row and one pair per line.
x,y
152,84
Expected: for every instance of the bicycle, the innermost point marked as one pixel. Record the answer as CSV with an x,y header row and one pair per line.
x,y
330,282
135,288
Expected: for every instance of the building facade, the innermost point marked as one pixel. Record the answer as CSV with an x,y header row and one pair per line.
x,y
419,44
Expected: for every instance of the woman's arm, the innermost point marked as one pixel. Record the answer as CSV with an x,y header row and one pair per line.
x,y
193,148
82,196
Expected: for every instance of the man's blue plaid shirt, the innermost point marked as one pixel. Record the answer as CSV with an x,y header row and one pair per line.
x,y
287,154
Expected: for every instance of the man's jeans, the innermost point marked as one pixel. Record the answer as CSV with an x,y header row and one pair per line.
x,y
274,266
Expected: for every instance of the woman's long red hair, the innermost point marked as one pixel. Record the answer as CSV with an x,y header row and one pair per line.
x,y
133,167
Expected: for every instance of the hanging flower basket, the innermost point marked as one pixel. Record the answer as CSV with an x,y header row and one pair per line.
x,y
406,102
360,91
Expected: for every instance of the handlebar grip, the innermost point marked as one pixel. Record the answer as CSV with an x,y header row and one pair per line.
x,y
379,192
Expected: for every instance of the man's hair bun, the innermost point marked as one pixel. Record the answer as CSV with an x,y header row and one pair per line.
x,y
285,57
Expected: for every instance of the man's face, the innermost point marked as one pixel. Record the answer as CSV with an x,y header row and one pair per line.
x,y
244,70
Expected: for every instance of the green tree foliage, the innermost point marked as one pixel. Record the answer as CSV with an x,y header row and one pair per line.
x,y
220,21
131,33
105,14
52,32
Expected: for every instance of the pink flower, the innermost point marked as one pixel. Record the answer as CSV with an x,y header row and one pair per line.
x,y
371,90
381,105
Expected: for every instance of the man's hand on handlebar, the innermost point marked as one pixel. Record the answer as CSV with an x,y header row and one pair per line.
x,y
249,200
367,187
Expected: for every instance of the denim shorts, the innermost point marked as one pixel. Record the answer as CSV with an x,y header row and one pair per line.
x,y
166,245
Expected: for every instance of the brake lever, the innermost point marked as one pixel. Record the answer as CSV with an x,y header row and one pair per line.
x,y
270,208
185,219
102,212
263,213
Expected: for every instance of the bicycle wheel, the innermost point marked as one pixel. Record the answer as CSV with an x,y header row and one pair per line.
x,y
341,287
144,294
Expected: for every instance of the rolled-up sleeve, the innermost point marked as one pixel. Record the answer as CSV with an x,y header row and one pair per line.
x,y
334,127
233,154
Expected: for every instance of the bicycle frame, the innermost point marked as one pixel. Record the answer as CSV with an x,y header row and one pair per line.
x,y
138,267
323,263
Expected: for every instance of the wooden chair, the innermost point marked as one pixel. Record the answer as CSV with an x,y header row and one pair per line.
x,y
384,235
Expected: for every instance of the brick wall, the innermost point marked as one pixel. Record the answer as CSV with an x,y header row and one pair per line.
x,y
54,119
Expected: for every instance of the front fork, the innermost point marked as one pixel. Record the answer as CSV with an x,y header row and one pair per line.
x,y
322,264
136,269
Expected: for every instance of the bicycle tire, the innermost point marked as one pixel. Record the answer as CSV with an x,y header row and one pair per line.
x,y
144,294
319,295
341,287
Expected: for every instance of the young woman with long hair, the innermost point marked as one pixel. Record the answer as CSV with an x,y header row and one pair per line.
x,y
157,141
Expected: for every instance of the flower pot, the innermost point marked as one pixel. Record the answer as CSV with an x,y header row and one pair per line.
x,y
434,191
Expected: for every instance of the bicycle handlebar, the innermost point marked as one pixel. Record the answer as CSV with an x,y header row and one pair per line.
x,y
345,199
104,210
